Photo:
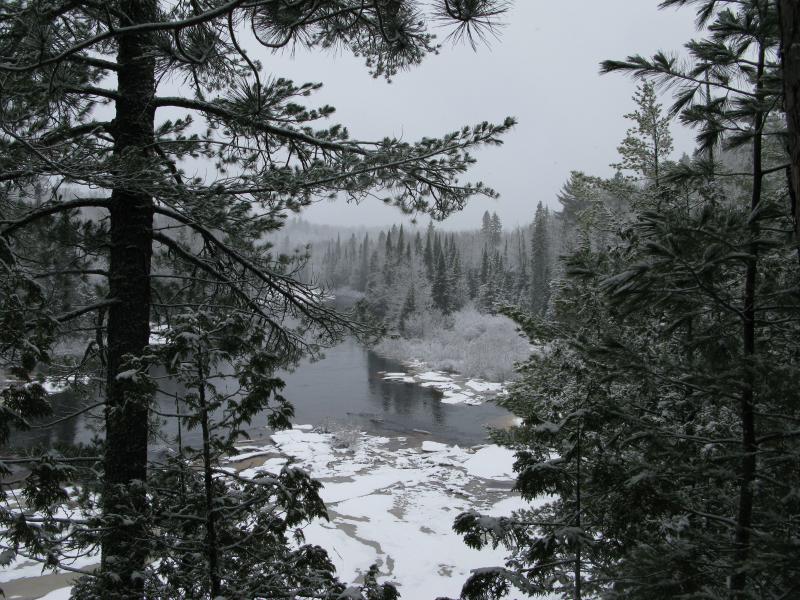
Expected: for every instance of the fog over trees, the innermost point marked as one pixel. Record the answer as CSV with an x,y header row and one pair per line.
x,y
640,331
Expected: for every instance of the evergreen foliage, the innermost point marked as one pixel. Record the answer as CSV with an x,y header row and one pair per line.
x,y
658,445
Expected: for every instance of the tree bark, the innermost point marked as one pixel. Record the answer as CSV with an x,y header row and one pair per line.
x,y
790,61
212,552
124,547
747,470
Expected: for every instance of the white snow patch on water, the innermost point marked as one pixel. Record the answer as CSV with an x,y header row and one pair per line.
x,y
441,385
451,397
271,466
59,594
434,376
483,386
391,376
491,462
429,446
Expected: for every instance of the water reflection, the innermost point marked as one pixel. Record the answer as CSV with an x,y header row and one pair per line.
x,y
344,388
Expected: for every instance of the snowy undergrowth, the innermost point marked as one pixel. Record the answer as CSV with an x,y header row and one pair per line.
x,y
469,342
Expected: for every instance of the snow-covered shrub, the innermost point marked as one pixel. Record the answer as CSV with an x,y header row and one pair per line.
x,y
468,342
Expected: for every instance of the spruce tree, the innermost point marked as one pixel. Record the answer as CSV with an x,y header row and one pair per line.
x,y
540,262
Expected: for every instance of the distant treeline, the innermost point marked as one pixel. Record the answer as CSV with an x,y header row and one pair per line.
x,y
402,271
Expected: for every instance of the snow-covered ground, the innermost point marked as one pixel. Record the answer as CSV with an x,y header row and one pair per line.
x,y
391,501
455,388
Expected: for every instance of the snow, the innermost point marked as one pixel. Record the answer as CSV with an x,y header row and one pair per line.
x,y
387,502
59,594
390,502
55,385
23,568
484,386
453,387
158,334
434,376
491,462
428,446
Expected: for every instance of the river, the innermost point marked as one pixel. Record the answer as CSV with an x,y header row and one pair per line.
x,y
344,389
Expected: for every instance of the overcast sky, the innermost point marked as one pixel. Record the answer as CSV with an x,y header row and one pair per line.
x,y
543,70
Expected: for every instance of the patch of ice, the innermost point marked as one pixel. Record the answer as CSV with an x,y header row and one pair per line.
x,y
24,568
272,465
251,454
491,462
394,375
429,446
484,386
441,385
369,483
59,594
434,376
455,398
303,427
452,397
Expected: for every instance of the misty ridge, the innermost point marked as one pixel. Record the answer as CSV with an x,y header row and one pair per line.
x,y
381,299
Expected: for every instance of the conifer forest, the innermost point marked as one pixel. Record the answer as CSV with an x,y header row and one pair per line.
x,y
255,346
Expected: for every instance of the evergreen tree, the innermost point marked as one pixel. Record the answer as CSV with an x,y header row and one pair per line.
x,y
440,289
658,412
429,251
496,230
540,262
648,143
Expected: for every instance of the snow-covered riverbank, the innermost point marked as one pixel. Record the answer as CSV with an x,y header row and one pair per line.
x,y
391,501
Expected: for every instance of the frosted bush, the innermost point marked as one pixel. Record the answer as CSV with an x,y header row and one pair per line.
x,y
467,342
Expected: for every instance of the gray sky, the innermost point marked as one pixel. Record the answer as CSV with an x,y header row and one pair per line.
x,y
543,70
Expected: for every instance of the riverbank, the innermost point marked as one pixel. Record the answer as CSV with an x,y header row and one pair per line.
x,y
468,341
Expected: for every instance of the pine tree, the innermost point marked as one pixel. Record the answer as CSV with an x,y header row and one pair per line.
x,y
647,145
60,62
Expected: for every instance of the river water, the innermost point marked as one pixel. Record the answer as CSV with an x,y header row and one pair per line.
x,y
343,390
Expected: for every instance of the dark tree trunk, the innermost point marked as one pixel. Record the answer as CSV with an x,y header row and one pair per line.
x,y
747,469
212,552
124,547
790,61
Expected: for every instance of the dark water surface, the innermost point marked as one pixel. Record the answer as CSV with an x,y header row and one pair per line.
x,y
344,389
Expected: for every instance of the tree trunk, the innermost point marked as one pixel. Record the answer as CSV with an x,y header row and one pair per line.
x,y
212,552
124,547
790,61
578,520
747,472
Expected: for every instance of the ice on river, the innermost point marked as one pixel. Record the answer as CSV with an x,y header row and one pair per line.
x,y
453,387
387,499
